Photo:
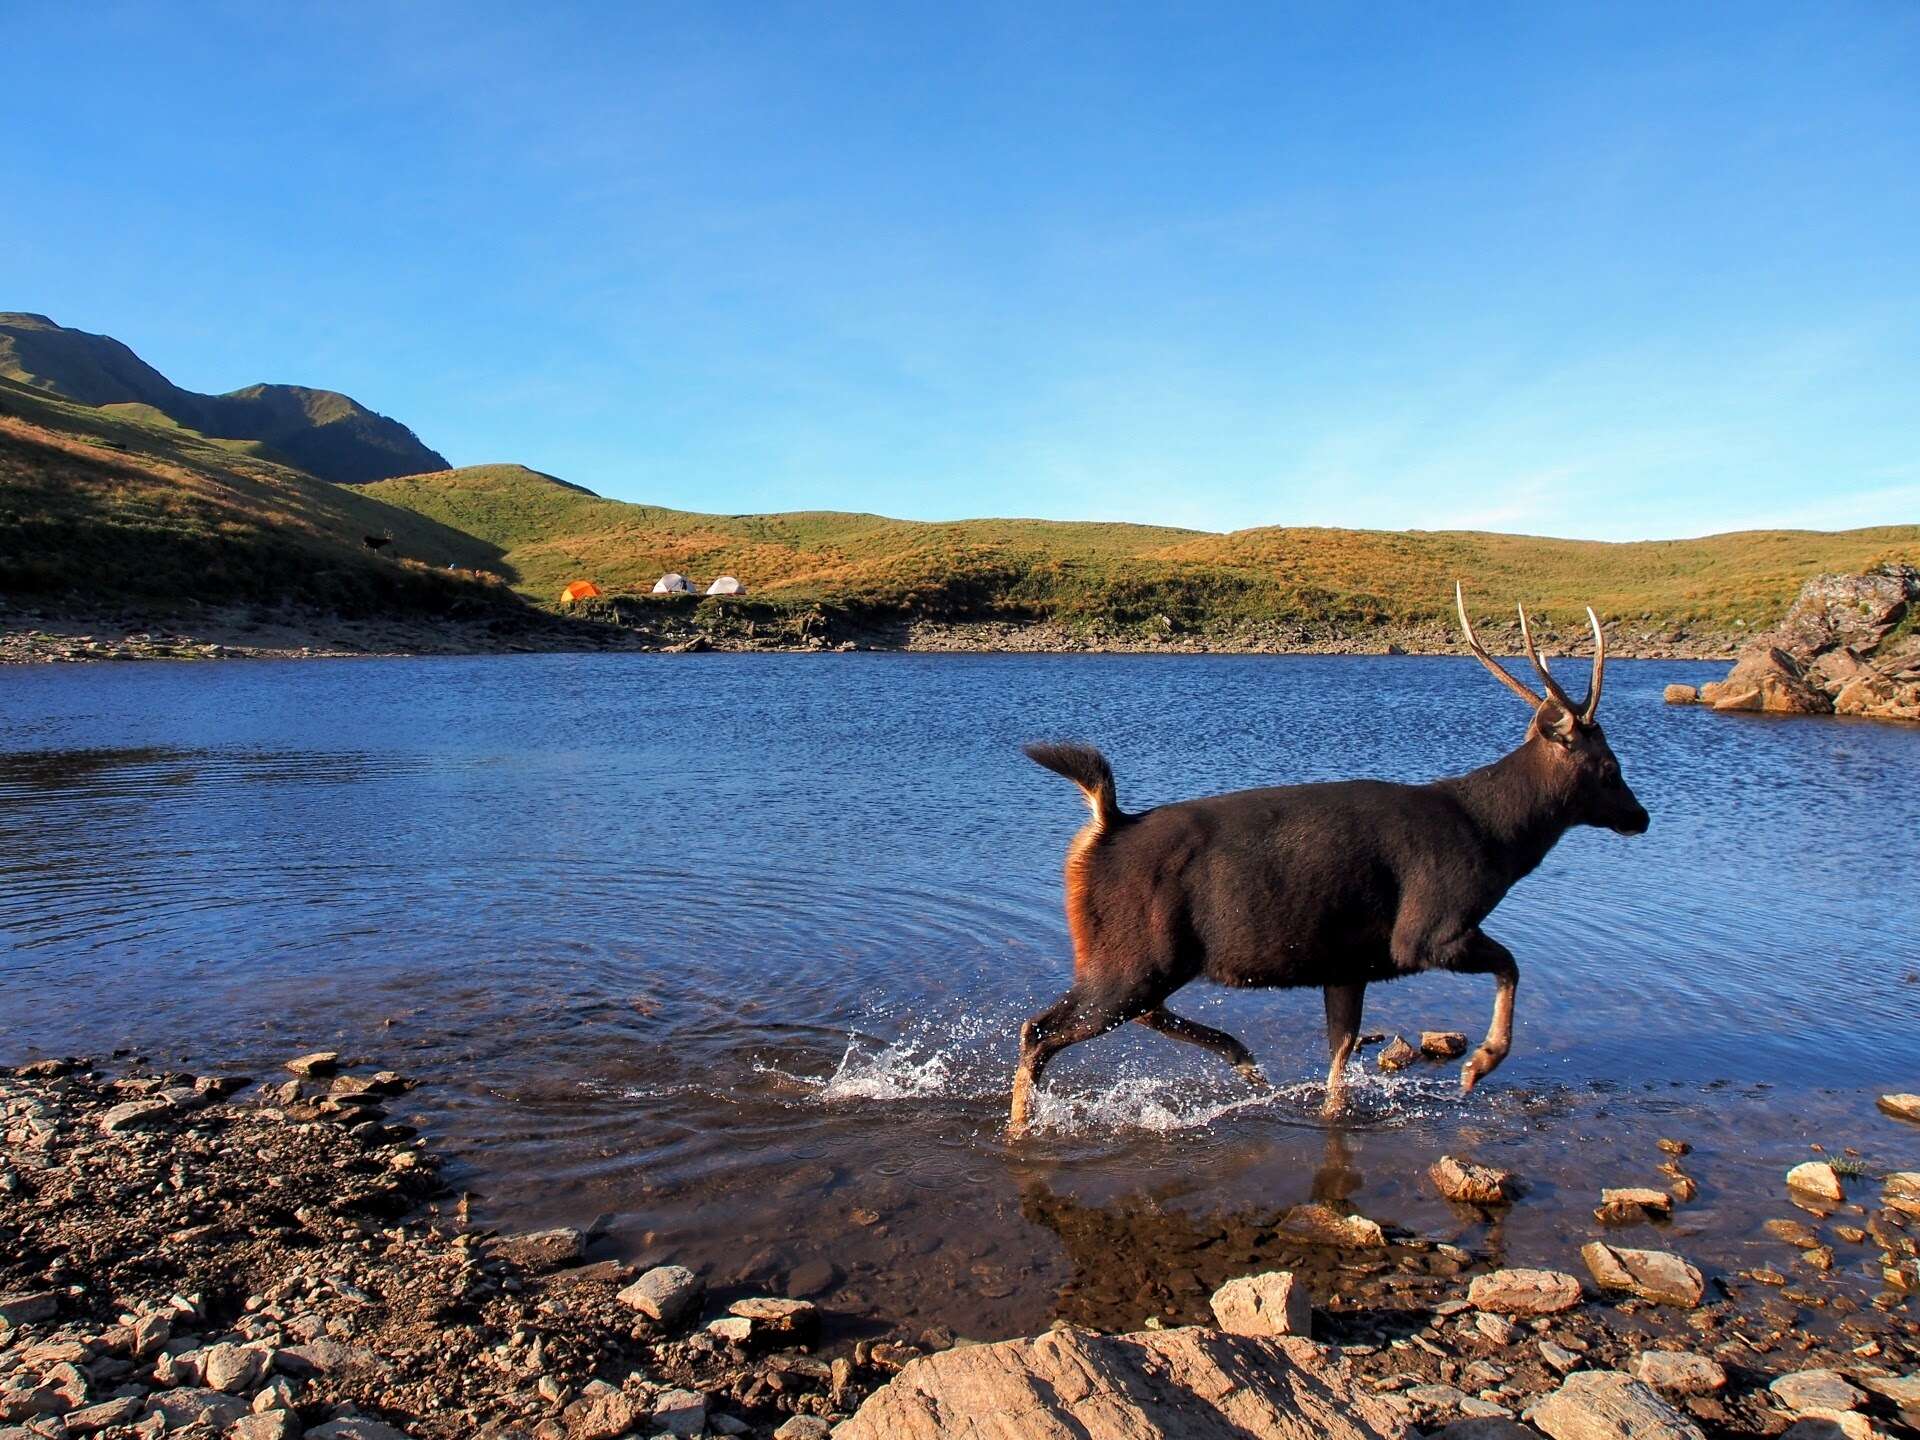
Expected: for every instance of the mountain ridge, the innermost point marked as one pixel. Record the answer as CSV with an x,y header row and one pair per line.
x,y
323,432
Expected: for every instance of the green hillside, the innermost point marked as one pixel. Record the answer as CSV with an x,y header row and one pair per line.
x,y
548,533
319,431
102,507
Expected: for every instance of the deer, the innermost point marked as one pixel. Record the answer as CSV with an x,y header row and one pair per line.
x,y
1338,885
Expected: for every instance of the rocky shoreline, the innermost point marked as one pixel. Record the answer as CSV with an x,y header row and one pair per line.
x,y
1849,646
626,624
206,1255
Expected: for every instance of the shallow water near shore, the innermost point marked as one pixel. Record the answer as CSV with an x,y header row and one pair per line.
x,y
732,949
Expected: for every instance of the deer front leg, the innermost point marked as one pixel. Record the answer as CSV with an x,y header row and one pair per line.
x,y
1343,1033
1494,958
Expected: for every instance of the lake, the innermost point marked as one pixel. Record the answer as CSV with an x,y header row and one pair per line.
x,y
731,950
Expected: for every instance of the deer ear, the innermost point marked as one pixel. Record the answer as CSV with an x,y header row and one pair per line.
x,y
1552,722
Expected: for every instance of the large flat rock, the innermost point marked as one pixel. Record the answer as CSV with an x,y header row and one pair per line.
x,y
1188,1384
1606,1405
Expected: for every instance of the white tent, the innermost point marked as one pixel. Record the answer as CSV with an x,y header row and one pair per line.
x,y
672,584
726,585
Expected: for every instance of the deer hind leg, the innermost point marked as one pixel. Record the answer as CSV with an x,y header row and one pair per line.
x,y
1177,1027
1343,1034
1082,1013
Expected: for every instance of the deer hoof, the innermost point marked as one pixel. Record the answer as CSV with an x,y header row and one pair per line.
x,y
1251,1074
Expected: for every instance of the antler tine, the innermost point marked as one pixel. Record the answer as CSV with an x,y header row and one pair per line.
x,y
1560,697
1473,644
1599,669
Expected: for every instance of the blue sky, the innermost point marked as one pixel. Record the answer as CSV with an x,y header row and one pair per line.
x,y
1601,270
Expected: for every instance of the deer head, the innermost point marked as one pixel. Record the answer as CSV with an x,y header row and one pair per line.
x,y
1576,758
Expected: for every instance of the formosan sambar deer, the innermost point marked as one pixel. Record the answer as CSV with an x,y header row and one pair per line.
x,y
1335,885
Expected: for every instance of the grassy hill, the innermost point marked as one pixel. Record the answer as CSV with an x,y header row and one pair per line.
x,y
548,532
100,508
319,431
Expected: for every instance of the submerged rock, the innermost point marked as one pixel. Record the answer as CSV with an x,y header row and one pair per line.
x,y
1471,1184
1524,1292
1651,1274
1324,1225
1191,1383
1631,1204
1271,1304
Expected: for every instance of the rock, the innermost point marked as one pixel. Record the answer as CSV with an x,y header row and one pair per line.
x,y
91,1418
1832,1425
1901,1191
1558,1356
1794,1232
1271,1304
1902,1390
320,1062
1470,1184
1680,695
769,1315
680,1412
1651,1274
1396,1055
541,1250
1765,677
1816,1178
1496,1328
731,1328
135,1115
665,1293
602,1416
1901,1106
1442,1044
1679,1371
1606,1405
189,1406
232,1368
1191,1383
27,1306
1488,1427
803,1427
1323,1225
356,1427
323,1357
1631,1204
267,1425
1524,1292
1809,1390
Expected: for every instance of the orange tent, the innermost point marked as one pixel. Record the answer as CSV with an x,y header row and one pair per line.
x,y
579,590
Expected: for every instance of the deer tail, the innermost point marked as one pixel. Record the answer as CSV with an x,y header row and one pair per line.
x,y
1087,768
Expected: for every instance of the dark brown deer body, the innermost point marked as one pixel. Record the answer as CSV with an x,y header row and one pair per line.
x,y
1330,885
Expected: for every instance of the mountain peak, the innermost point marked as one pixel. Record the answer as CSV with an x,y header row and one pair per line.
x,y
323,432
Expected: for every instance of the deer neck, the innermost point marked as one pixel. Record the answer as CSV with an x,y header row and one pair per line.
x,y
1520,804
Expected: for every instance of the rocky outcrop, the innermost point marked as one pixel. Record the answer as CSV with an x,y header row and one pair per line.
x,y
1193,1383
1847,647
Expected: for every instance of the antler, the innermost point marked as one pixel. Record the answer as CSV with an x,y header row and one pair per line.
x,y
1560,697
1585,712
1499,670
1599,668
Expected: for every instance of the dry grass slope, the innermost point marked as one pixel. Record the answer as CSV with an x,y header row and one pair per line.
x,y
99,506
1129,575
